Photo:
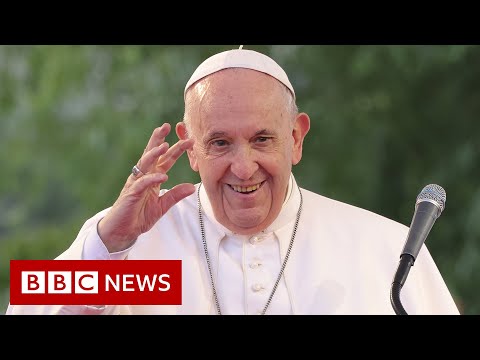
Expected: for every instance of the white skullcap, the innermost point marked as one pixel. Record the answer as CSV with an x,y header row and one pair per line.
x,y
239,58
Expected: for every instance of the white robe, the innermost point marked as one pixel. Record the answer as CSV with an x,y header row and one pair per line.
x,y
342,262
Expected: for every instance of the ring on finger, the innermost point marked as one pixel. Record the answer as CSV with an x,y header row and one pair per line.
x,y
136,171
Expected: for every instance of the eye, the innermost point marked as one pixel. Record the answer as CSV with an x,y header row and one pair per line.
x,y
219,143
262,139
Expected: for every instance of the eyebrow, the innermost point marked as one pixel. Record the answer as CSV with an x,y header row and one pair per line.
x,y
223,133
264,132
216,134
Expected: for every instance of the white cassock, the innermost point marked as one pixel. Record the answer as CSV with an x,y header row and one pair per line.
x,y
342,261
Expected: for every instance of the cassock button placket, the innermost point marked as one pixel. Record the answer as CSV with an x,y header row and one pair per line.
x,y
255,264
255,240
257,287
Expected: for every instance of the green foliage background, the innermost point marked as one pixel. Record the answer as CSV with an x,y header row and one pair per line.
x,y
386,121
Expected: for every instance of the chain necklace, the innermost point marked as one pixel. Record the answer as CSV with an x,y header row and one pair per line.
x,y
207,257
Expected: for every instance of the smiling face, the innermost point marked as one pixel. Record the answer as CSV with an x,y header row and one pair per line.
x,y
247,137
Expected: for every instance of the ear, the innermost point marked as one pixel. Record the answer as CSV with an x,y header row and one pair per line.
x,y
300,130
182,134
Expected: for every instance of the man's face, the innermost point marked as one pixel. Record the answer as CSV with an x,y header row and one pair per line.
x,y
245,146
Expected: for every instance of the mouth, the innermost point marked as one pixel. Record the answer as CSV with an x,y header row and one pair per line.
x,y
246,189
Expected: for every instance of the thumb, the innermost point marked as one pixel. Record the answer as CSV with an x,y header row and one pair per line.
x,y
174,195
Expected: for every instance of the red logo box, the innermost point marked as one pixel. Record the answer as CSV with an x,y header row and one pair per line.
x,y
95,282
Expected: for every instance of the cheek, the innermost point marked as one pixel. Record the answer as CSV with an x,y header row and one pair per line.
x,y
212,170
277,165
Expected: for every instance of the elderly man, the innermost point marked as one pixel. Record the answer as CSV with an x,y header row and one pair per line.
x,y
251,240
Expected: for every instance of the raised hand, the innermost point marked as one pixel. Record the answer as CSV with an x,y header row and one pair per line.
x,y
139,205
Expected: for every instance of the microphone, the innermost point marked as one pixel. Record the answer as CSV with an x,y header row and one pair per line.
x,y
428,207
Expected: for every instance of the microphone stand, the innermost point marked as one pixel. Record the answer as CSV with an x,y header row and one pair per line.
x,y
428,207
406,262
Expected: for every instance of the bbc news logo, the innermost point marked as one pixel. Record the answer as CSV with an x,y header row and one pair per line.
x,y
95,282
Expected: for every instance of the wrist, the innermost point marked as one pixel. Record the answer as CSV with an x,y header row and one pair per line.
x,y
112,241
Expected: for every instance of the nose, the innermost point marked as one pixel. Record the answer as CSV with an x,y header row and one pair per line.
x,y
244,163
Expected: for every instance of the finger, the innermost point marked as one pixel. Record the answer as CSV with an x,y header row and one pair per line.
x,y
166,161
149,159
146,182
174,195
158,137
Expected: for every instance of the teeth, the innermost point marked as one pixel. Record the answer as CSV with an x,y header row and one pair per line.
x,y
244,189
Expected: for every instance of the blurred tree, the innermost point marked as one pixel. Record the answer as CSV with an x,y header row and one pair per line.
x,y
386,121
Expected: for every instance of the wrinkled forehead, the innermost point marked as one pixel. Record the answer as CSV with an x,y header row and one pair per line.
x,y
236,92
239,58
236,100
